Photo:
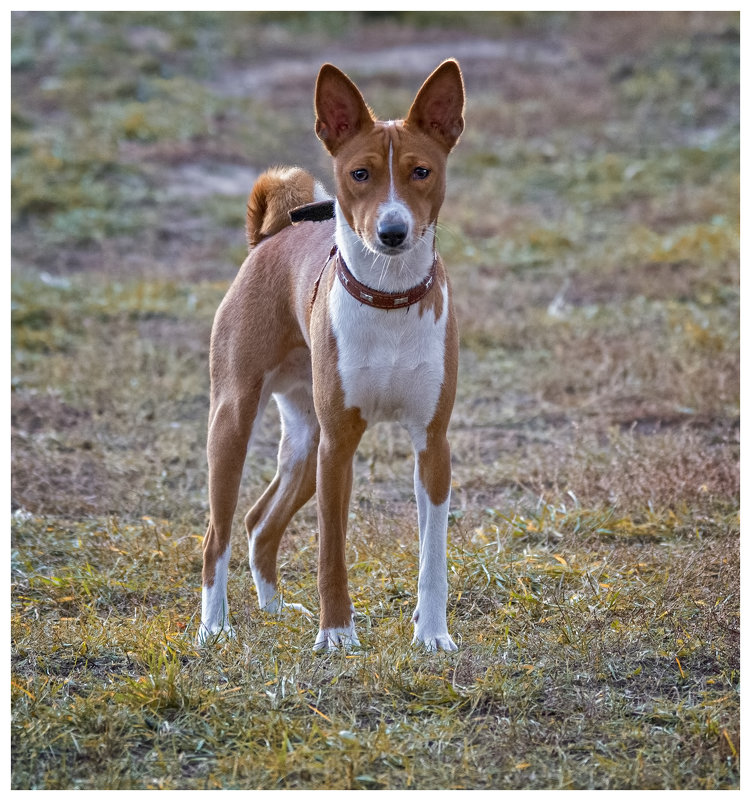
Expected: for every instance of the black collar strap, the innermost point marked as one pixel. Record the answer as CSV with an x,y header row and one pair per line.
x,y
314,212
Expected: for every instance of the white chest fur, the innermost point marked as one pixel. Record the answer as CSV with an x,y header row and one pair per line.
x,y
391,363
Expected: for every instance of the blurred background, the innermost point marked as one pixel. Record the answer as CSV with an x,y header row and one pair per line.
x,y
591,225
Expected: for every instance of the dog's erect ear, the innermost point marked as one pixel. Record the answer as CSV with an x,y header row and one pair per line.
x,y
438,109
340,110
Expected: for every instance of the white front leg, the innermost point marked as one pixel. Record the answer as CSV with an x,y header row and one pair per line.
x,y
214,606
432,585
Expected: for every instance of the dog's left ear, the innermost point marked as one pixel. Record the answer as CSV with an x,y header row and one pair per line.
x,y
438,109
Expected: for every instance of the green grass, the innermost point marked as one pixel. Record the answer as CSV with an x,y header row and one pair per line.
x,y
591,228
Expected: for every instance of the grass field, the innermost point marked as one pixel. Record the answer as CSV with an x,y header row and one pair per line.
x,y
591,229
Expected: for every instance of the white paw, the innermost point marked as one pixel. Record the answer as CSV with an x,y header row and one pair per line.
x,y
209,635
435,642
432,634
333,639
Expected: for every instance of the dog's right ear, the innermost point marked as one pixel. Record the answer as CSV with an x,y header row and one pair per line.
x,y
341,111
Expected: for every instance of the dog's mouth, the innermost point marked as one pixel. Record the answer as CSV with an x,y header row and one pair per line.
x,y
388,246
383,250
394,243
390,237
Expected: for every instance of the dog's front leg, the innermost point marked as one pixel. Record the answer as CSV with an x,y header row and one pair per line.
x,y
433,491
334,481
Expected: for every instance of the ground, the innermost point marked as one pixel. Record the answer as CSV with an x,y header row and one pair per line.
x,y
591,230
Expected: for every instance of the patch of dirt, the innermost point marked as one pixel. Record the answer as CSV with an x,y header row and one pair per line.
x,y
202,179
368,59
31,413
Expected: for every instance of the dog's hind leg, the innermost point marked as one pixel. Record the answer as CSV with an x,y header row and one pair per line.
x,y
293,485
230,425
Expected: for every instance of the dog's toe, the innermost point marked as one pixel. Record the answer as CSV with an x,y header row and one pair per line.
x,y
333,639
209,636
437,642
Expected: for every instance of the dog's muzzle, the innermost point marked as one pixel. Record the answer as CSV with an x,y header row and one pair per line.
x,y
392,229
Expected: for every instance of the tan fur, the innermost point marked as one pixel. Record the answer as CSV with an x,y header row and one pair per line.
x,y
434,463
276,192
249,340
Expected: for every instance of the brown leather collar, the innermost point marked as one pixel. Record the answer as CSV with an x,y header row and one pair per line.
x,y
324,210
383,300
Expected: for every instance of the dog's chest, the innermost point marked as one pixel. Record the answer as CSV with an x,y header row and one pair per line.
x,y
391,363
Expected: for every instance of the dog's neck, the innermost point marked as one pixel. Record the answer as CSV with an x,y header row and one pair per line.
x,y
378,270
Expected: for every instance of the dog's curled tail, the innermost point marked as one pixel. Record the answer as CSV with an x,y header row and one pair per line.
x,y
276,192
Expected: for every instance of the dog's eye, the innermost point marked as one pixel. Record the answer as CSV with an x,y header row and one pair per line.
x,y
420,173
360,175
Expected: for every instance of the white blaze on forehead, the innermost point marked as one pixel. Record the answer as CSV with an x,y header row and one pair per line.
x,y
393,198
392,187
394,204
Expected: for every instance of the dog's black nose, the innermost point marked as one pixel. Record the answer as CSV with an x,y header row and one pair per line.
x,y
392,234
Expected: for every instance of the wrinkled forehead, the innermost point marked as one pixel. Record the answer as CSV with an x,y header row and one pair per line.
x,y
394,136
388,142
388,133
373,145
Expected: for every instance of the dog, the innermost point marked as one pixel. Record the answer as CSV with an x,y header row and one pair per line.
x,y
346,322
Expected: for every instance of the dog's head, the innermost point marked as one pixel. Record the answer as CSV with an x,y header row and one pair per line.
x,y
390,176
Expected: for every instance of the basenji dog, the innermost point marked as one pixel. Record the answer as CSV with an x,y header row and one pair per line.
x,y
345,322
